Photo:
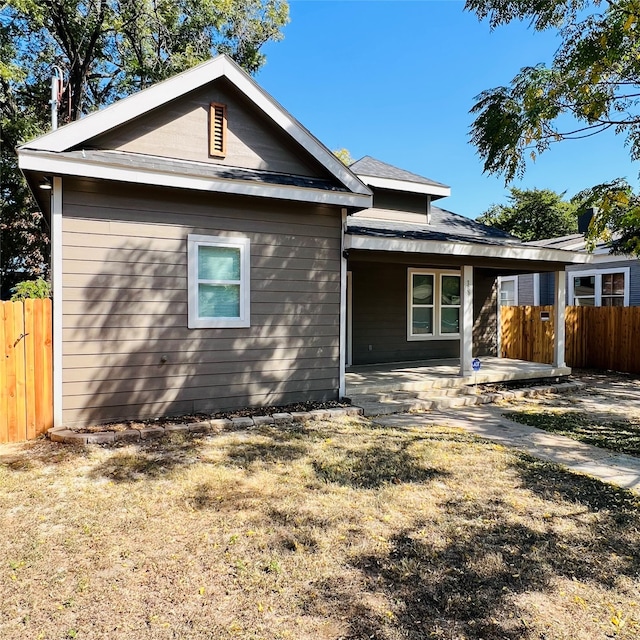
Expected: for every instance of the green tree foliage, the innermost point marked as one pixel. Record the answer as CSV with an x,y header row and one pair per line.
x,y
592,85
594,78
344,156
38,288
533,214
106,49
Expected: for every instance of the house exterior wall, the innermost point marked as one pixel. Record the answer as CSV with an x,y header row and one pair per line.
x,y
125,304
180,130
379,315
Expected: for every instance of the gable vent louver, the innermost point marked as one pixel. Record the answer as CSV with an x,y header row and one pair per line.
x,y
218,130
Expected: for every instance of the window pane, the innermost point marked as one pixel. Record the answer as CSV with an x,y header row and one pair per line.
x,y
422,289
584,286
507,292
613,302
585,302
422,321
219,301
450,320
218,263
613,284
450,290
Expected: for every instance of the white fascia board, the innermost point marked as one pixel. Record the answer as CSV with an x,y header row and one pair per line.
x,y
75,133
61,165
405,185
463,249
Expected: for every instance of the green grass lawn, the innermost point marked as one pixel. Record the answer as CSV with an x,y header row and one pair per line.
x,y
332,530
622,436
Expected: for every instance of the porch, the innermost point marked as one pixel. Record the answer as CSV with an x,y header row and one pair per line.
x,y
428,375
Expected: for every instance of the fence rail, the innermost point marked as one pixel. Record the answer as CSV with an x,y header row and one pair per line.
x,y
595,337
26,387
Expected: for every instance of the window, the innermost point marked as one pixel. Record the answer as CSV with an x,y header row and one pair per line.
x,y
217,130
433,304
218,281
599,288
508,291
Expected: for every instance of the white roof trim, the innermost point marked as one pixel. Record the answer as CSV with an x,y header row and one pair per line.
x,y
74,134
462,249
63,165
405,185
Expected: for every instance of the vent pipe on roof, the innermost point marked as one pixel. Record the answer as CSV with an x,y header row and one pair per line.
x,y
57,80
584,219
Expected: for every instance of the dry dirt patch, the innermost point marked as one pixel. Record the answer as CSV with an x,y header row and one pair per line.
x,y
330,530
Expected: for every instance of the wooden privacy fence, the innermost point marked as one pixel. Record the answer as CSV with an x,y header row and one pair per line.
x,y
26,390
595,337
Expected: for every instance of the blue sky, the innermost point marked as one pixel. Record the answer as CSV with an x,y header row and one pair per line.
x,y
396,79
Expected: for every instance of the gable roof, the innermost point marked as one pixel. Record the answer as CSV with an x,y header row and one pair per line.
x,y
72,136
376,173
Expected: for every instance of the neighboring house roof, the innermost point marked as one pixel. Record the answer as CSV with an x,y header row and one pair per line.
x,y
55,151
444,225
376,173
574,242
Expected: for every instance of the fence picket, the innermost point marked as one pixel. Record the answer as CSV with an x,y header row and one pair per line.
x,y
26,408
596,337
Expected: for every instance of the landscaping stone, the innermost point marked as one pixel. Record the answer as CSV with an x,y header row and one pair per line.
x,y
242,423
300,416
260,420
219,424
101,437
128,435
282,418
60,435
319,414
176,428
146,433
199,427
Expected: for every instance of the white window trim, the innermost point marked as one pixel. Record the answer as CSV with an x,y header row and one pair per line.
x,y
193,242
598,273
513,279
437,304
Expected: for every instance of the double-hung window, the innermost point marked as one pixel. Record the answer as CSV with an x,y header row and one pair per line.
x,y
433,305
599,288
218,281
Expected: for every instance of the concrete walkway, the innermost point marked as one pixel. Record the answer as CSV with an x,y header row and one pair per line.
x,y
487,422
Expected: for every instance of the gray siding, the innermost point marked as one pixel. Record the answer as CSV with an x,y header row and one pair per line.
x,y
180,130
379,317
485,313
125,304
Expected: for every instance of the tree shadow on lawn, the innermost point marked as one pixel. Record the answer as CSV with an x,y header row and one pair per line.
x,y
374,466
468,586
622,436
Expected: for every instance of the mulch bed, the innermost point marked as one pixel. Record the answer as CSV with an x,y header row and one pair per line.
x,y
203,417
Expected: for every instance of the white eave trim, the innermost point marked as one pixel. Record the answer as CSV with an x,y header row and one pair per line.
x,y
469,249
406,185
136,105
85,168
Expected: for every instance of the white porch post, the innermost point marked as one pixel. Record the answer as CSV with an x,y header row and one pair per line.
x,y
56,281
466,322
560,303
343,310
